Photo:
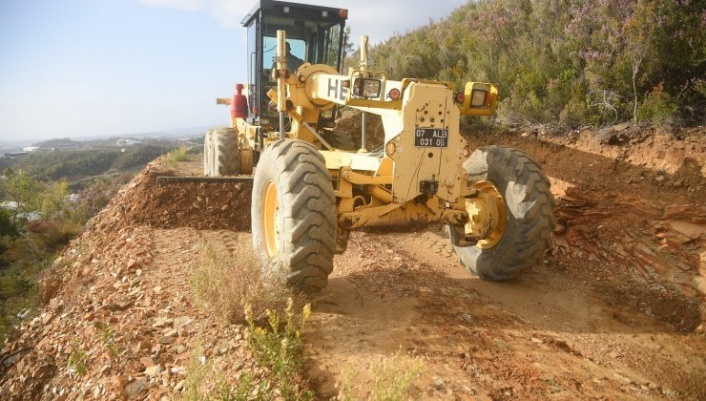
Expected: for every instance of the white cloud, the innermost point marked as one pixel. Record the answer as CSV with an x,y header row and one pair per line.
x,y
379,20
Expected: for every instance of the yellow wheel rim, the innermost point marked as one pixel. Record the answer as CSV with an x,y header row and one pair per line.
x,y
487,215
270,216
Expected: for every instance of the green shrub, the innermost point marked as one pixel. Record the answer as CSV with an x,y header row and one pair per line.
x,y
658,107
277,347
78,359
222,287
177,155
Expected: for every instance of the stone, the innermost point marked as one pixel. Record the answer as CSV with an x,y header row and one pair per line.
x,y
182,321
153,370
147,361
135,388
162,322
166,340
178,370
132,264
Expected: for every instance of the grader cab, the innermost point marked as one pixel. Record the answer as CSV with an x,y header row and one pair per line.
x,y
312,186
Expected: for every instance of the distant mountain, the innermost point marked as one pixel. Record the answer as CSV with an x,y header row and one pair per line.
x,y
172,133
61,143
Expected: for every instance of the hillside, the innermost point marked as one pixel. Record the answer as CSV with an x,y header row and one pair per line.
x,y
615,312
574,63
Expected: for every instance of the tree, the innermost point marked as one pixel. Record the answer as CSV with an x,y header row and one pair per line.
x,y
24,191
640,30
31,196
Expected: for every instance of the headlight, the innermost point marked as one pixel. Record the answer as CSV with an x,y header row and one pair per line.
x,y
367,87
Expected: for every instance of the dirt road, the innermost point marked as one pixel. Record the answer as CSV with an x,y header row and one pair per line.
x,y
614,312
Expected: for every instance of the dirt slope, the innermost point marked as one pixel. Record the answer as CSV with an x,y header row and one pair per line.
x,y
615,311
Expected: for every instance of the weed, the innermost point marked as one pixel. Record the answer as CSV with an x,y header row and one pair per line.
x,y
243,294
392,380
107,334
78,359
658,107
177,155
205,383
277,348
196,374
223,288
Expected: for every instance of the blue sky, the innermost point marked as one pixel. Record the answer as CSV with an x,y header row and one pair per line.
x,y
87,68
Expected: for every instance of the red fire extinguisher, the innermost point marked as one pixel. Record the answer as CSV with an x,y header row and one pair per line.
x,y
238,103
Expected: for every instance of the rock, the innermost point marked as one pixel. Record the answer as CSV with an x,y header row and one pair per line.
x,y
162,322
49,287
182,321
166,340
153,370
47,317
132,264
467,317
700,284
178,370
135,388
147,361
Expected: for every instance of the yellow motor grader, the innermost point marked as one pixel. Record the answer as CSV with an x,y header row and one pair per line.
x,y
312,185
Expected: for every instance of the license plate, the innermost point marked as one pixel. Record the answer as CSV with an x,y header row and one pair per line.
x,y
431,137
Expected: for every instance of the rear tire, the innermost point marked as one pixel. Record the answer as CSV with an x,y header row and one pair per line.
x,y
340,140
247,161
519,230
207,154
226,154
294,215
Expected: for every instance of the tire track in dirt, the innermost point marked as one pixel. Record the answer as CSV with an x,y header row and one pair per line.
x,y
543,336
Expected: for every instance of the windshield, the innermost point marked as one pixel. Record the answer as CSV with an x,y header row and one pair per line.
x,y
269,46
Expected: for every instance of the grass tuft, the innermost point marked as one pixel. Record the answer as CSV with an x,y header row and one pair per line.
x,y
177,155
78,359
223,288
393,379
242,294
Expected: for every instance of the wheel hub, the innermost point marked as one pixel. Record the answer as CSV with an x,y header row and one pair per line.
x,y
486,215
270,216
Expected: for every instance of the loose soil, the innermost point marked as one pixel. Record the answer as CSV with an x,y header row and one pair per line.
x,y
614,312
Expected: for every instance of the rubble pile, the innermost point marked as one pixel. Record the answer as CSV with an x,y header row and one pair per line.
x,y
118,320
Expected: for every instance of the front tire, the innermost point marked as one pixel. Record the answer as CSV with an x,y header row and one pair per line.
x,y
511,214
294,215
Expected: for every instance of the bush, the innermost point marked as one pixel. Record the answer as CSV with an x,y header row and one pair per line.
x,y
223,288
28,247
657,107
180,154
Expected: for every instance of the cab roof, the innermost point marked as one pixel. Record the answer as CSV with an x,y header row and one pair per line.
x,y
295,11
